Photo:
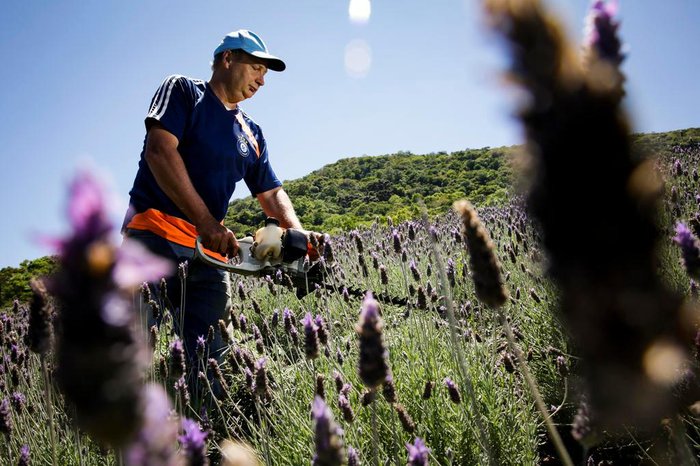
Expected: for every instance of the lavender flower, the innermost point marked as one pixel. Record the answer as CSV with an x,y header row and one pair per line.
x,y
310,336
327,435
322,329
414,271
201,346
288,320
383,275
40,311
294,334
690,249
18,401
182,391
177,359
216,370
262,387
488,282
193,442
100,359
223,330
428,389
5,418
23,456
373,368
345,408
338,379
328,255
249,380
320,389
154,444
601,32
406,420
612,300
353,459
417,453
389,389
397,241
453,391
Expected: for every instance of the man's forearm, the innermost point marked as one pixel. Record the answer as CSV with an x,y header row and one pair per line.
x,y
276,203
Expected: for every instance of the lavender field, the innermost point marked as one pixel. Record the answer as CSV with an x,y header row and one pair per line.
x,y
559,328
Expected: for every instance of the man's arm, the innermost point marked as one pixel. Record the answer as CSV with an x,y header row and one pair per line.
x,y
276,203
170,173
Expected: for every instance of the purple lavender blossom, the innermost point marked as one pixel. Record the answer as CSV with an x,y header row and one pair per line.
x,y
322,329
287,319
453,390
327,436
345,408
417,453
414,271
249,380
135,264
154,445
193,442
182,390
383,275
23,456
310,336
40,333
261,386
18,401
201,345
100,359
601,31
353,459
372,367
690,248
397,241
177,359
5,418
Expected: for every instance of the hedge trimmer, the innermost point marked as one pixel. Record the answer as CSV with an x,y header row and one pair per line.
x,y
280,253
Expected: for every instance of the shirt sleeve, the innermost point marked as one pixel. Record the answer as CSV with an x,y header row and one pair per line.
x,y
261,178
171,106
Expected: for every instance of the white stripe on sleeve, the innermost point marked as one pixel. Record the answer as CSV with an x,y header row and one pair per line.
x,y
163,97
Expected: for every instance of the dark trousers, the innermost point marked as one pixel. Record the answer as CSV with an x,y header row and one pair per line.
x,y
206,298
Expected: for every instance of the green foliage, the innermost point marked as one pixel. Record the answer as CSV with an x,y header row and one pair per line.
x,y
14,281
354,191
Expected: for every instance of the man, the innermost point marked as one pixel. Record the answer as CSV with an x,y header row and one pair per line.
x,y
198,145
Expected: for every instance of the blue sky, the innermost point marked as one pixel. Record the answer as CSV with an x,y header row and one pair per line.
x,y
78,77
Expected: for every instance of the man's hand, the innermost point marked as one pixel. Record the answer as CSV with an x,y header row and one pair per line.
x,y
314,240
218,238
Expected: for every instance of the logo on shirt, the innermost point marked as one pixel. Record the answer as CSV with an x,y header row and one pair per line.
x,y
242,145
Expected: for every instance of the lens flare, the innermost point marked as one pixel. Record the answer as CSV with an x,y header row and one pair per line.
x,y
358,58
359,11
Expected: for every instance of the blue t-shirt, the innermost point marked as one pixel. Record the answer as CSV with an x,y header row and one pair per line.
x,y
215,148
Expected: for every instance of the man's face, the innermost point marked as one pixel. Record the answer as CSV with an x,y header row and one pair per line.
x,y
244,75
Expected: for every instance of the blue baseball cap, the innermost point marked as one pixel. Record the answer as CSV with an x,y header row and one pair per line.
x,y
252,44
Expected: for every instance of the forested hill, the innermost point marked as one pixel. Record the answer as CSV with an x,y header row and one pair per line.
x,y
355,191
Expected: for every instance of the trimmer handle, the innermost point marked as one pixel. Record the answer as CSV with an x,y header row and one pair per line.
x,y
247,264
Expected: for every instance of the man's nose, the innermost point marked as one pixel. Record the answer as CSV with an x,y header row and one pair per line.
x,y
260,80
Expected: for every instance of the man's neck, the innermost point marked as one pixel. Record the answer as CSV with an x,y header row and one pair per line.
x,y
219,91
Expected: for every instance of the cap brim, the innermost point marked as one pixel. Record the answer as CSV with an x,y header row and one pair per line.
x,y
272,62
